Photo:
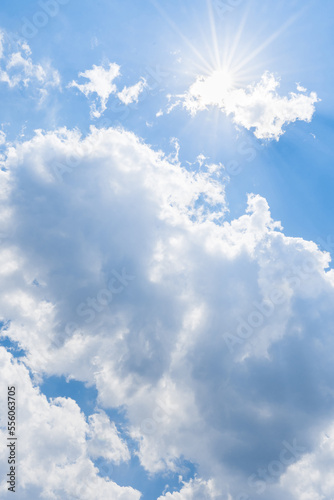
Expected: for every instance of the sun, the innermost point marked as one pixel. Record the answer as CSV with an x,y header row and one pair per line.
x,y
215,87
221,81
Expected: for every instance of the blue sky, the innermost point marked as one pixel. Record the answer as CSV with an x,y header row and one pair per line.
x,y
156,38
166,230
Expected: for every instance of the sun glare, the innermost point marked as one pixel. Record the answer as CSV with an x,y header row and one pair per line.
x,y
217,85
222,80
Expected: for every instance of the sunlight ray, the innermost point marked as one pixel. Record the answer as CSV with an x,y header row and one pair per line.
x,y
267,42
231,51
181,35
214,33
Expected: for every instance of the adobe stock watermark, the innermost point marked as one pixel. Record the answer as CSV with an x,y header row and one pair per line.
x,y
264,310
153,78
248,151
259,481
160,415
105,467
92,306
225,7
48,9
327,245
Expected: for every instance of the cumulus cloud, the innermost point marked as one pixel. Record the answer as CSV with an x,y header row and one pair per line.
x,y
215,337
311,477
104,440
258,107
196,489
54,456
101,82
131,94
18,69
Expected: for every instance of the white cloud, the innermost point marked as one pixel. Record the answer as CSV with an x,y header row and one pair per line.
x,y
300,88
18,69
54,456
101,82
158,348
94,42
310,477
105,441
2,138
131,94
196,489
2,36
258,107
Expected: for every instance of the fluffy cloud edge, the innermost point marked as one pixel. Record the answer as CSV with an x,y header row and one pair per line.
x,y
101,83
17,67
136,356
257,107
56,444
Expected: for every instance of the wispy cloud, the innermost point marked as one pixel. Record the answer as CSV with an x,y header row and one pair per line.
x,y
101,82
18,69
131,94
